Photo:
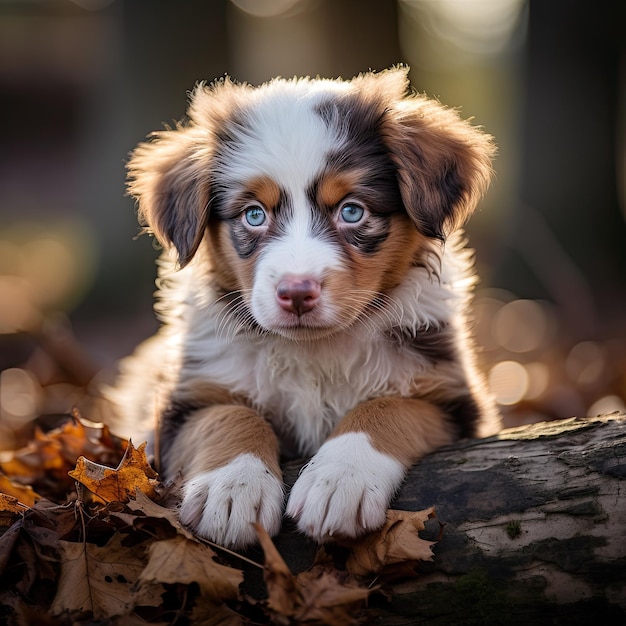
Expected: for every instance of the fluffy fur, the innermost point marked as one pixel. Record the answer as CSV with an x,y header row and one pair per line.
x,y
313,292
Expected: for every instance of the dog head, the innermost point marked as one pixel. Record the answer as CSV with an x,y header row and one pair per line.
x,y
313,198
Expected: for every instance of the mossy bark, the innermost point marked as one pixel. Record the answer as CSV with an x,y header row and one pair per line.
x,y
535,525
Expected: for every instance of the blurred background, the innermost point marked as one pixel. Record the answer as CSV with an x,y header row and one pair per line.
x,y
82,81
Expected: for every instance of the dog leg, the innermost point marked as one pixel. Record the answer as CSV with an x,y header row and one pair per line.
x,y
228,456
346,487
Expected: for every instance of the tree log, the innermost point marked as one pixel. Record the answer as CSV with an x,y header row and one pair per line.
x,y
534,523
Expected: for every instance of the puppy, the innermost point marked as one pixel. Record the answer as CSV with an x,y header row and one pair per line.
x,y
312,292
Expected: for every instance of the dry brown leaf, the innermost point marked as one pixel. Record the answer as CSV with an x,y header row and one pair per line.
x,y
10,504
101,579
397,542
119,484
329,597
210,614
47,459
142,503
10,509
24,493
281,583
321,595
185,561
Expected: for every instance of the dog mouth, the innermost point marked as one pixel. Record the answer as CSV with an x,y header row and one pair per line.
x,y
304,334
304,327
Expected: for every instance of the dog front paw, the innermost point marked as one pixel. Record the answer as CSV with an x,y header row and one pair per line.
x,y
221,505
345,488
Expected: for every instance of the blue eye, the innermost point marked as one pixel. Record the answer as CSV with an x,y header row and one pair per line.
x,y
255,216
352,213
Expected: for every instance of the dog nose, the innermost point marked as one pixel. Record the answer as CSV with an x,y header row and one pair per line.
x,y
298,295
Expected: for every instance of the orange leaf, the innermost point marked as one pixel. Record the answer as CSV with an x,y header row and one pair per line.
x,y
51,455
397,542
9,504
119,484
23,493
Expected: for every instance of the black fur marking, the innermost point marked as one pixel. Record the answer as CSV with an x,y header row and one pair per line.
x,y
365,153
465,414
171,422
243,239
361,122
435,344
246,240
369,237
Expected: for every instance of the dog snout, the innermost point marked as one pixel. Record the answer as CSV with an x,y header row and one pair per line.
x,y
298,295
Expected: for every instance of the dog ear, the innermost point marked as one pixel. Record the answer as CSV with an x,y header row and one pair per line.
x,y
443,163
170,175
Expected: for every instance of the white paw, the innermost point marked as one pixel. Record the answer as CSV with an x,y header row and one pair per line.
x,y
221,505
345,488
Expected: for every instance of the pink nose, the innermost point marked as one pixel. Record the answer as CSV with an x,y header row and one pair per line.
x,y
298,295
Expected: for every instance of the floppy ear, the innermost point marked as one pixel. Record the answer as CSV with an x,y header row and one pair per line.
x,y
169,180
444,163
170,175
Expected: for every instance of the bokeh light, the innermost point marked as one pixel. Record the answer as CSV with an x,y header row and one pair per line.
x,y
538,379
508,381
48,267
461,30
520,326
607,404
20,397
585,363
266,8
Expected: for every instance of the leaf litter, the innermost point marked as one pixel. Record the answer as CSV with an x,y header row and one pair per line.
x,y
89,534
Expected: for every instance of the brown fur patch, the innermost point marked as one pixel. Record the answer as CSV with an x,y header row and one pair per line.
x,y
382,271
212,437
404,428
265,190
334,187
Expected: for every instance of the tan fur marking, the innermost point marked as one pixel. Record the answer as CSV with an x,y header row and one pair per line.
x,y
404,428
333,188
266,191
380,272
233,273
212,437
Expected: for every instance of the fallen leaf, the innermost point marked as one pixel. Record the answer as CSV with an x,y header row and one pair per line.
x,y
24,493
321,595
42,455
10,504
101,579
8,539
397,542
281,583
141,503
184,561
329,597
45,462
210,614
119,484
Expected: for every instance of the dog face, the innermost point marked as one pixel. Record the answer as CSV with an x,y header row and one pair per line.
x,y
312,198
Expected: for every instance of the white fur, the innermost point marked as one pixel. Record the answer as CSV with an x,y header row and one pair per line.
x,y
221,505
345,488
297,253
290,140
